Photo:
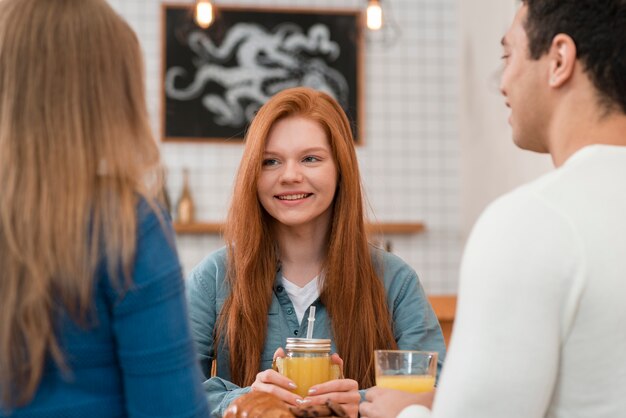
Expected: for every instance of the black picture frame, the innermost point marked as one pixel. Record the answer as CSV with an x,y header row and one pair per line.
x,y
214,79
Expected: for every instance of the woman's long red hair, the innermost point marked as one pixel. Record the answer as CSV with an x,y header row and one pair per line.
x,y
351,289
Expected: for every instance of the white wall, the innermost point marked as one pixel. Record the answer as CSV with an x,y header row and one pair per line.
x,y
438,148
490,163
410,160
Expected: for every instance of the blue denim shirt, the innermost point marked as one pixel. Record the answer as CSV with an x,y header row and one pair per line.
x,y
414,322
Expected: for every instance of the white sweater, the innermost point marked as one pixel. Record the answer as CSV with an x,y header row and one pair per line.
x,y
541,319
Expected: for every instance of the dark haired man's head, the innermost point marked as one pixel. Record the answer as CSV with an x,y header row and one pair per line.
x,y
598,28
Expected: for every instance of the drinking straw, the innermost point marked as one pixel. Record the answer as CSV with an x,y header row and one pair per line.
x,y
311,324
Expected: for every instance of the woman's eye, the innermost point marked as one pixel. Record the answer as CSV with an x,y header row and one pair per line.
x,y
269,161
310,159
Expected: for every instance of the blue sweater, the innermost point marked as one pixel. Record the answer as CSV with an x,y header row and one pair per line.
x,y
136,359
415,325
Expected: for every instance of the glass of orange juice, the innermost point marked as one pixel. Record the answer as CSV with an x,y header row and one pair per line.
x,y
406,370
307,363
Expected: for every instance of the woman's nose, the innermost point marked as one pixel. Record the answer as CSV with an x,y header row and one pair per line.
x,y
291,173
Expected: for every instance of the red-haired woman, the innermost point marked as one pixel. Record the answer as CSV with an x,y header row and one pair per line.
x,y
296,238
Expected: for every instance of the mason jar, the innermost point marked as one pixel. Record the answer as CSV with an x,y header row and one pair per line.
x,y
307,363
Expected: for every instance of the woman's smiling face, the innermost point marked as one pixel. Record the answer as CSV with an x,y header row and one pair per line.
x,y
298,178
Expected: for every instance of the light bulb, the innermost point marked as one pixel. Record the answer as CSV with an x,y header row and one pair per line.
x,y
374,15
204,13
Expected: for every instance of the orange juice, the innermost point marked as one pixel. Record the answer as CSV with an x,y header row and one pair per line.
x,y
306,372
407,383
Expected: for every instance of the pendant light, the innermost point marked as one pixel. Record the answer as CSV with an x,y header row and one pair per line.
x,y
204,13
374,15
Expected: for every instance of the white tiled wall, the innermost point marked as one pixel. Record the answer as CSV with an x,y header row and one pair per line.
x,y
490,163
410,160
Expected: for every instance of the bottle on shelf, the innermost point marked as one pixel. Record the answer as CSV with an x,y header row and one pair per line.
x,y
185,207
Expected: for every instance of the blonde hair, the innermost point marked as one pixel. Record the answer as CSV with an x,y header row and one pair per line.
x,y
76,151
352,288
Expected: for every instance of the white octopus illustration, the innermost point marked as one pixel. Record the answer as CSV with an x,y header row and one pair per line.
x,y
266,63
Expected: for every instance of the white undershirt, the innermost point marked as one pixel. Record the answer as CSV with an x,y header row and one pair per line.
x,y
301,297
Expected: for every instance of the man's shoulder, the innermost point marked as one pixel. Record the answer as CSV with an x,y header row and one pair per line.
x,y
528,194
513,203
533,211
590,172
517,213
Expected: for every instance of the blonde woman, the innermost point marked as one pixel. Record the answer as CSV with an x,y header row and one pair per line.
x,y
296,238
93,317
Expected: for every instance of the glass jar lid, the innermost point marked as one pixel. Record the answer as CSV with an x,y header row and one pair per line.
x,y
319,345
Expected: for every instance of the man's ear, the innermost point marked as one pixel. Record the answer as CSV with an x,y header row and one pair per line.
x,y
562,55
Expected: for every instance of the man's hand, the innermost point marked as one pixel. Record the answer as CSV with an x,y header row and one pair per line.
x,y
388,403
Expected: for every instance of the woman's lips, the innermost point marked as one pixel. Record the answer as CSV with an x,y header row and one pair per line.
x,y
293,196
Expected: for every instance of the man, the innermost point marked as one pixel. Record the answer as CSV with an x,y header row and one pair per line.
x,y
541,320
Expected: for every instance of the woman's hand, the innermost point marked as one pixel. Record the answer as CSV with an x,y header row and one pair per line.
x,y
388,403
342,391
271,381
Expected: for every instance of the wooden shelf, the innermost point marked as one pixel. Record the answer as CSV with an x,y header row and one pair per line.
x,y
199,228
383,227
396,227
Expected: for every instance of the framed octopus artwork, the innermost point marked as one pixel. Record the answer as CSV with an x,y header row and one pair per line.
x,y
215,79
